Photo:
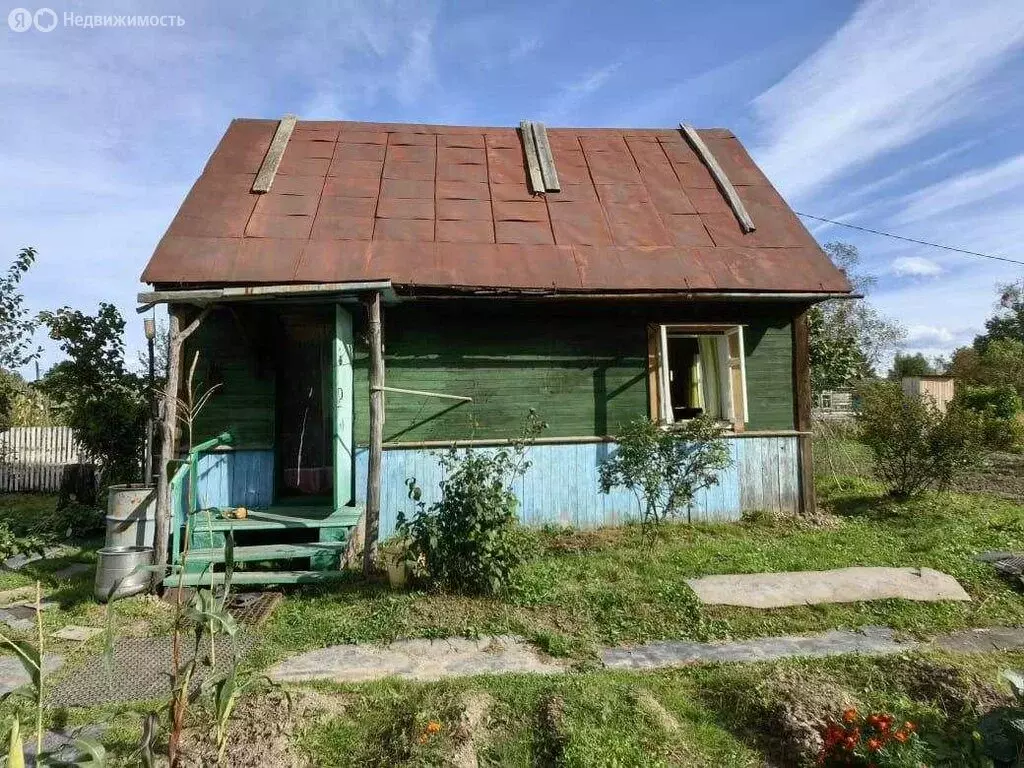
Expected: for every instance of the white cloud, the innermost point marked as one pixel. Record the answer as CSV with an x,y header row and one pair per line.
x,y
964,190
915,266
894,72
929,336
571,95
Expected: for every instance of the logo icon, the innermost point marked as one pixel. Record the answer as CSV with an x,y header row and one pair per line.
x,y
20,19
45,19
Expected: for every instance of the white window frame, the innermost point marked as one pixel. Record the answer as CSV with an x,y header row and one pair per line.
x,y
727,366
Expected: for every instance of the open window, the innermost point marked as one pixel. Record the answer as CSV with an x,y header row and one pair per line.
x,y
697,370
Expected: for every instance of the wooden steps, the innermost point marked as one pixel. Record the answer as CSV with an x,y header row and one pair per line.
x,y
279,518
254,578
317,534
267,552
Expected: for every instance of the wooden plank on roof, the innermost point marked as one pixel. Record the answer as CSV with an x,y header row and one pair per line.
x,y
546,159
272,160
534,175
726,187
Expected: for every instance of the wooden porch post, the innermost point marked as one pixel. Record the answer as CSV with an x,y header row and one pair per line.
x,y
802,392
376,432
170,433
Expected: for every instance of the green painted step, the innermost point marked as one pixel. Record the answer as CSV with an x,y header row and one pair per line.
x,y
276,518
243,578
266,552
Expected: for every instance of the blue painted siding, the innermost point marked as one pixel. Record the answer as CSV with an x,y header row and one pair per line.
x,y
561,486
236,479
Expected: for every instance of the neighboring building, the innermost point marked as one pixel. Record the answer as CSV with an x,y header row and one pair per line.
x,y
637,289
938,388
834,405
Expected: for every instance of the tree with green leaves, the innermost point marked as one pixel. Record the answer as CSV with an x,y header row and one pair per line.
x,y
848,337
17,327
910,365
1007,324
996,358
101,399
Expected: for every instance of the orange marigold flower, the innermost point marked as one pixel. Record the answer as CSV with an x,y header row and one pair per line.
x,y
850,715
901,736
433,726
910,726
850,742
874,744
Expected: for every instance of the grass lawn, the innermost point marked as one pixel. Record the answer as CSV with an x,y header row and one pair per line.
x,y
587,589
73,596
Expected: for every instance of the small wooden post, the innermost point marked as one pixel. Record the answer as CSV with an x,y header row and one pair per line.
x,y
170,434
802,408
376,432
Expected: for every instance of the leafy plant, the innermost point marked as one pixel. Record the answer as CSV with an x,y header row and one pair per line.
x,y
468,541
91,753
12,543
665,469
914,445
876,740
1002,729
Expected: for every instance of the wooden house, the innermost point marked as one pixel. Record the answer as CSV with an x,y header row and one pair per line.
x,y
361,295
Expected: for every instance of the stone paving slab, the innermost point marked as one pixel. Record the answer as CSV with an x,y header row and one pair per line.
x,y
981,640
870,640
13,676
76,634
843,585
425,660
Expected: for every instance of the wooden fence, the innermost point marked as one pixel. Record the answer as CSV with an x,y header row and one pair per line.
x,y
34,458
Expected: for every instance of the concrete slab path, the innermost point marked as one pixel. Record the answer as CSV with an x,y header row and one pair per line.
x,y
417,660
843,585
428,660
870,640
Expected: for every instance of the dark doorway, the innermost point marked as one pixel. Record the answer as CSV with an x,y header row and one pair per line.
x,y
305,466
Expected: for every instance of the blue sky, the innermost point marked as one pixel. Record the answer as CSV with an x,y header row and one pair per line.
x,y
905,116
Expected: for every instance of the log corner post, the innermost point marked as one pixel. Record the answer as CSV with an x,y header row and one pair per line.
x,y
375,337
169,429
802,412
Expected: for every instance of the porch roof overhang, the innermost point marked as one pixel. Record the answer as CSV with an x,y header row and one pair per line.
x,y
318,291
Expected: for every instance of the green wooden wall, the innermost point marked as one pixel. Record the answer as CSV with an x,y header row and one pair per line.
x,y
235,348
581,366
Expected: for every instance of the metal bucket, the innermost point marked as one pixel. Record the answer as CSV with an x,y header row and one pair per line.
x,y
116,570
131,515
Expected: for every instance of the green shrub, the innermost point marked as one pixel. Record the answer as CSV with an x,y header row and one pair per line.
x,y
469,541
998,407
665,469
914,445
12,543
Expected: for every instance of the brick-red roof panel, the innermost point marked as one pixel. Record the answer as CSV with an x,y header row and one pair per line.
x,y
449,206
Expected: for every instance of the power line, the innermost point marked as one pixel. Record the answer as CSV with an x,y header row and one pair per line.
x,y
911,239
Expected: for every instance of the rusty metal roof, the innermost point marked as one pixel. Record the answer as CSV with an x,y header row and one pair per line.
x,y
449,207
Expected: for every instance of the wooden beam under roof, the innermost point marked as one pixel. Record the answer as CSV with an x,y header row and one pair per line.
x,y
726,187
272,160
